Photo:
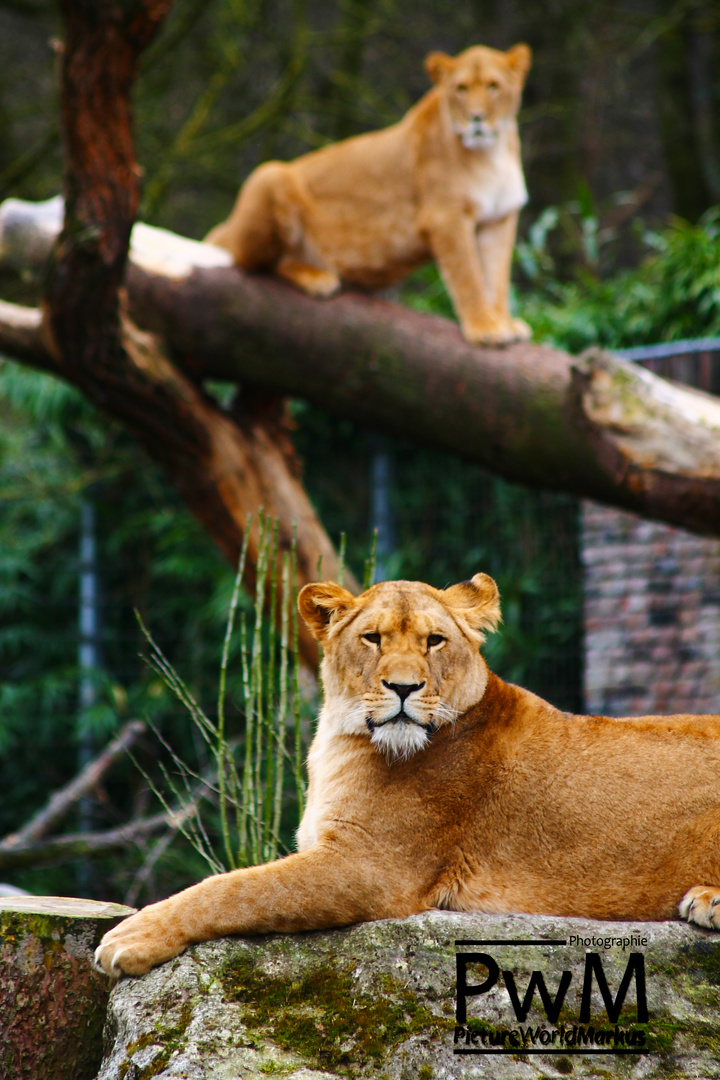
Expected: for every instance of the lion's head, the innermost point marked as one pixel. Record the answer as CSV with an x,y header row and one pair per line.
x,y
401,659
482,87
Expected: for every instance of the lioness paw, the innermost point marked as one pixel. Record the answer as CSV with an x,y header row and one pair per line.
x,y
521,329
138,944
311,279
498,332
701,905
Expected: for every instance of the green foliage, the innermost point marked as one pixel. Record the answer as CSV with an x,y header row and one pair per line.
x,y
34,463
673,294
153,557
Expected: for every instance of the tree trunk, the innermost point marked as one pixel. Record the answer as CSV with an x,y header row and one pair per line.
x,y
223,469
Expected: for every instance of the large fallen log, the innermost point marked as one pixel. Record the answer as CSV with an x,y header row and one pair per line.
x,y
595,426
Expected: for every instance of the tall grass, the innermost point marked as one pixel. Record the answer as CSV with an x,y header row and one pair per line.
x,y
251,773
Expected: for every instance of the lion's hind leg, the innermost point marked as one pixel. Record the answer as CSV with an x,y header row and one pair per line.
x,y
701,905
300,263
269,230
251,233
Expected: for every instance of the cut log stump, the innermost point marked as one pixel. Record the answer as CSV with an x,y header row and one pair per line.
x,y
52,1000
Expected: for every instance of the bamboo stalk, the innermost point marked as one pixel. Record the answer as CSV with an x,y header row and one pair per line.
x,y
222,750
270,711
282,708
299,785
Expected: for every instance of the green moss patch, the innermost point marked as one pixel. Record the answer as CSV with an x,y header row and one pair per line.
x,y
324,1017
703,956
171,1037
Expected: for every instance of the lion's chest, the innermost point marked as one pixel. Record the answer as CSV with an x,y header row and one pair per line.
x,y
496,187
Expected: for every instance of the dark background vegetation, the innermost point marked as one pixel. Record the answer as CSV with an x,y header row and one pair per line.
x,y
619,245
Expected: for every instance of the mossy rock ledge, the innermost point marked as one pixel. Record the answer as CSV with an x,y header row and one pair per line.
x,y
52,1000
378,1000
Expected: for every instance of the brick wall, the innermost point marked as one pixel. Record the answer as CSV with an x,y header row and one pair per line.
x,y
652,616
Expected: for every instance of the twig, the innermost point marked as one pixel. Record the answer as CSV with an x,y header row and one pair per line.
x,y
65,799
141,877
82,845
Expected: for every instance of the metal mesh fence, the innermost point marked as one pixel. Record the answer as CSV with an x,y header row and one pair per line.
x,y
441,520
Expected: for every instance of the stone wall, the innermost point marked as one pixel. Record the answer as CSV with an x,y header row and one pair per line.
x,y
652,616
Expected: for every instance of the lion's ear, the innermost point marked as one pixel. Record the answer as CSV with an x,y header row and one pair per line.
x,y
319,601
438,64
477,600
519,59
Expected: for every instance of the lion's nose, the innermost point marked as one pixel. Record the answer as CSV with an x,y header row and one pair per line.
x,y
402,689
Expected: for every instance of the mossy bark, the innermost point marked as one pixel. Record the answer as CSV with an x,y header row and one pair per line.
x,y
52,1000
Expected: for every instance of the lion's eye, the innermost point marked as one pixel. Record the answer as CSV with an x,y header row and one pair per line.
x,y
493,86
371,639
461,88
435,639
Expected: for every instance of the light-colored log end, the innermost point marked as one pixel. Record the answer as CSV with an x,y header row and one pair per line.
x,y
52,999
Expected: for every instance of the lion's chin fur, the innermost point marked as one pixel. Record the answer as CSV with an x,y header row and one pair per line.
x,y
400,739
478,140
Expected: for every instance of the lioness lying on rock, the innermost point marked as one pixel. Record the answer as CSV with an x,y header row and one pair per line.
x,y
446,182
435,784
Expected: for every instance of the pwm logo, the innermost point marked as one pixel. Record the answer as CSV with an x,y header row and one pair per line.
x,y
583,1034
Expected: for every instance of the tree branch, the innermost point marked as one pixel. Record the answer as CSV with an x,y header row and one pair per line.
x,y
81,845
63,800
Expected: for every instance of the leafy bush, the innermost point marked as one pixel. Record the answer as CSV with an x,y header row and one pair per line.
x,y
673,294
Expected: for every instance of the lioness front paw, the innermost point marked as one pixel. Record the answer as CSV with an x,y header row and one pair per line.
x,y
521,329
140,943
496,332
701,905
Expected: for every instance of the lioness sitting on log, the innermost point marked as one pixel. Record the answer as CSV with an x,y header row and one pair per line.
x,y
446,182
434,784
